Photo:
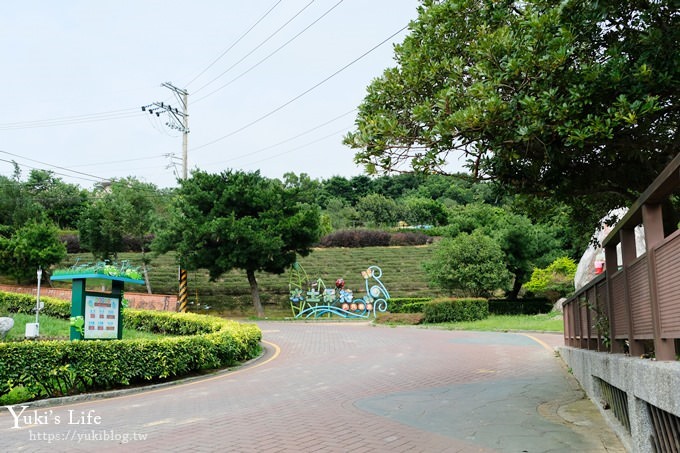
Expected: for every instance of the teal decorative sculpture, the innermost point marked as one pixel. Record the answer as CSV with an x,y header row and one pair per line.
x,y
315,300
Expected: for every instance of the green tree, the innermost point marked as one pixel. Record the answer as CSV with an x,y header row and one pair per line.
x,y
124,209
135,204
554,281
576,100
305,188
471,264
376,210
341,214
17,206
62,203
422,211
100,229
525,245
35,245
237,220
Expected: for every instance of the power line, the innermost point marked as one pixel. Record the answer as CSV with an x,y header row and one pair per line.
x,y
282,106
123,161
234,44
326,137
55,166
53,172
308,131
270,54
257,47
69,120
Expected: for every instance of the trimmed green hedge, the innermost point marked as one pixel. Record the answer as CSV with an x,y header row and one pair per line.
x,y
407,304
520,306
25,303
56,368
455,310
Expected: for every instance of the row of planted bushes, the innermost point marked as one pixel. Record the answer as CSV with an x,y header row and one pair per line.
x,y
496,306
340,238
56,368
372,238
442,309
455,310
520,306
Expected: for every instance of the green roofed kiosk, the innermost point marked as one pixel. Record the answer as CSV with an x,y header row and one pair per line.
x,y
96,315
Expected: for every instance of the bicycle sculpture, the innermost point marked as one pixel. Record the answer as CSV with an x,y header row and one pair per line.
x,y
315,299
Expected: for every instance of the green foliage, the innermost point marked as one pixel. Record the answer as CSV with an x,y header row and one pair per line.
x,y
407,304
519,306
62,203
472,264
55,368
25,303
455,310
524,244
543,97
377,210
17,207
237,220
554,281
422,211
32,246
126,208
114,269
341,214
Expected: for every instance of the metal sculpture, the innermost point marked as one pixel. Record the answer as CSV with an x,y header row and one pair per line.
x,y
309,300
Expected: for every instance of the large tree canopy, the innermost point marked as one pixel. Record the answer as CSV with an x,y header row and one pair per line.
x,y
237,220
566,99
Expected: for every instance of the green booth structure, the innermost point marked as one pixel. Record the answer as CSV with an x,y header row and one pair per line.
x,y
96,315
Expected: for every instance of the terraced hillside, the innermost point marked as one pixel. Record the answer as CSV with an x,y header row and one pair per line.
x,y
403,276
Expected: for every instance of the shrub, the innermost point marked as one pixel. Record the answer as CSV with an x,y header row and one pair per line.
x,y
520,306
407,304
555,281
471,264
54,368
25,303
356,238
410,238
456,310
373,238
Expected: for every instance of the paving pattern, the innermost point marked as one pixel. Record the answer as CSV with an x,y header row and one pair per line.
x,y
341,387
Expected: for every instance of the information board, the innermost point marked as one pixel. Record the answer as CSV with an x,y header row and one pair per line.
x,y
101,317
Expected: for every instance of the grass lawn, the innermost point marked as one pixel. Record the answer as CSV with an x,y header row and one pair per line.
x,y
58,329
550,322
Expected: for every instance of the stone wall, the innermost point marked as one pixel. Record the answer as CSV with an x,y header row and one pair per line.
x,y
644,381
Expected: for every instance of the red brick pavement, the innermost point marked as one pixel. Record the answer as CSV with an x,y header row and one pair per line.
x,y
316,390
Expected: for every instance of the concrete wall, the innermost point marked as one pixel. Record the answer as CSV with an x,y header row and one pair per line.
x,y
644,381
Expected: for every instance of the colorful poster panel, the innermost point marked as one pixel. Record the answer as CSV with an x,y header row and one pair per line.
x,y
101,317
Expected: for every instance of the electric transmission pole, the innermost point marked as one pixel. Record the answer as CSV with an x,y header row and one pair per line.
x,y
178,120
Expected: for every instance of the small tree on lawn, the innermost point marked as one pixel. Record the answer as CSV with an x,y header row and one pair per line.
x,y
472,264
237,220
34,245
554,281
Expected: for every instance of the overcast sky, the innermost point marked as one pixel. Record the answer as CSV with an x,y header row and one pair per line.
x,y
75,74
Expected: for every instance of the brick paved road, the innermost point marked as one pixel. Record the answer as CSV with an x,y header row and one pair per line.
x,y
341,387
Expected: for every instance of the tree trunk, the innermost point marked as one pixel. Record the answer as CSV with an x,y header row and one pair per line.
x,y
146,272
255,292
516,286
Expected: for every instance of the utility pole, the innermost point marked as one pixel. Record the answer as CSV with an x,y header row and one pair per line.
x,y
178,120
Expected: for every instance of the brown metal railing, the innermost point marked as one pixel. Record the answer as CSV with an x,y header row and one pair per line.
x,y
636,307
